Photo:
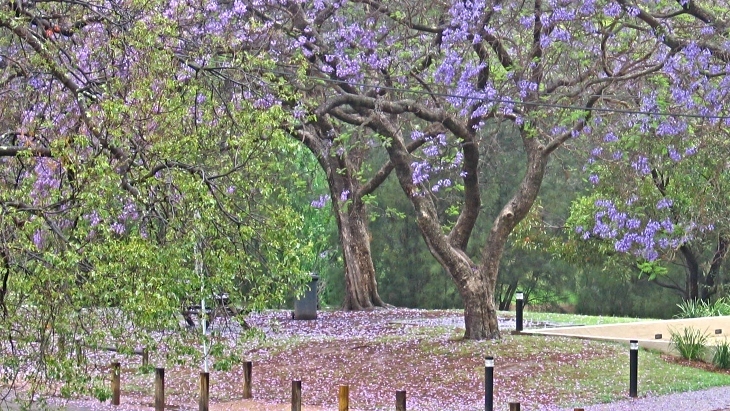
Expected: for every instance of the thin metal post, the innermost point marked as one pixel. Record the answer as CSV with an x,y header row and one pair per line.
x,y
489,383
633,368
520,307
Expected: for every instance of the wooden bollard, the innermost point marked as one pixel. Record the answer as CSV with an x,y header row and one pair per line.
x,y
247,369
344,398
145,357
400,401
296,396
159,389
204,391
116,383
514,406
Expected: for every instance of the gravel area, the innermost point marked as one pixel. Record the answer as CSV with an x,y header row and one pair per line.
x,y
713,399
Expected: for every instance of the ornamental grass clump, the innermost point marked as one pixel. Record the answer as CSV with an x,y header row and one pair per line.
x,y
690,343
699,308
721,357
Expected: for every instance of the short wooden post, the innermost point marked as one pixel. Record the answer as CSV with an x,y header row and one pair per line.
x,y
145,357
159,389
204,391
344,397
247,369
296,396
578,409
116,383
514,406
400,401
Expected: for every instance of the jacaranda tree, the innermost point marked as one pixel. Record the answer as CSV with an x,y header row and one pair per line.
x,y
138,175
424,80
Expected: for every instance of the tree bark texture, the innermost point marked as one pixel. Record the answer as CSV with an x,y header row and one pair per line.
x,y
361,287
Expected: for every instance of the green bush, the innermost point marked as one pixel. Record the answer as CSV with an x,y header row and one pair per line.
x,y
721,357
690,343
699,308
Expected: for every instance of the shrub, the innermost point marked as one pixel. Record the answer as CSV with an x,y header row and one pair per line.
x,y
690,343
699,308
721,357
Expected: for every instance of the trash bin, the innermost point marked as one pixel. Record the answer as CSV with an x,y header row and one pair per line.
x,y
305,308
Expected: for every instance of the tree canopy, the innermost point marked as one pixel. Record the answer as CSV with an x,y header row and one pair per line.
x,y
139,173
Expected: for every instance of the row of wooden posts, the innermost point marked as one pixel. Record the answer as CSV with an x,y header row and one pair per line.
x,y
159,402
343,394
204,398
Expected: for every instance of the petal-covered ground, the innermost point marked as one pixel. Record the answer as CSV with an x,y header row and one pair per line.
x,y
379,352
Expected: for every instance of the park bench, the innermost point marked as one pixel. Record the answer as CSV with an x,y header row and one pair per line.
x,y
221,307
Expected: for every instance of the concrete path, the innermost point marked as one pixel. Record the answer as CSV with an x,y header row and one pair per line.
x,y
713,399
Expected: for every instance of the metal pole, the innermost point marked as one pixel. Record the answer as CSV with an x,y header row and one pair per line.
x,y
633,368
520,306
489,383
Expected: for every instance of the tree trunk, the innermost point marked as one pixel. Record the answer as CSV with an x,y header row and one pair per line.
x,y
709,286
506,297
480,315
361,288
693,273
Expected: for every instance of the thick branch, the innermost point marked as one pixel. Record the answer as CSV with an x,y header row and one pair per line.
x,y
385,170
670,40
14,151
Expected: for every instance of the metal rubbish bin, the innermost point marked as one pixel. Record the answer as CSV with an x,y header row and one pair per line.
x,y
305,308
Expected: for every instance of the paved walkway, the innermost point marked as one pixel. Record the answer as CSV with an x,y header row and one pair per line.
x,y
713,399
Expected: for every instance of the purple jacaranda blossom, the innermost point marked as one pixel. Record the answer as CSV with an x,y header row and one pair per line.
x,y
664,203
641,165
38,239
673,154
93,218
320,202
117,227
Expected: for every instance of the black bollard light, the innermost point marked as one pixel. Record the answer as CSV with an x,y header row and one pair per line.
x,y
633,367
520,306
489,384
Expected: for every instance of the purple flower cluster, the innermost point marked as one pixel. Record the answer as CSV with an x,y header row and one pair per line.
x,y
641,165
320,202
642,239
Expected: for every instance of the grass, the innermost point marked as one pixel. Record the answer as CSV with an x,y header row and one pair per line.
x,y
575,319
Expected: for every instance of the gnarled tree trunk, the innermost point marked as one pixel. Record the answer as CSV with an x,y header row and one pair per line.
x,y
361,288
346,193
